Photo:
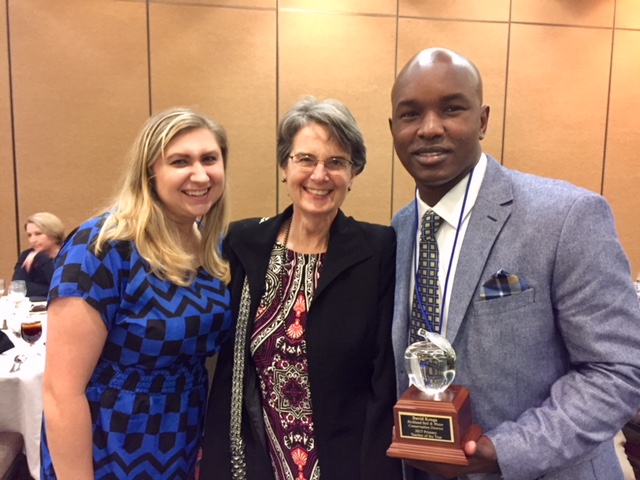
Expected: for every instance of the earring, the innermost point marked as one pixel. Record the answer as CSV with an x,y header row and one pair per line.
x,y
349,189
284,180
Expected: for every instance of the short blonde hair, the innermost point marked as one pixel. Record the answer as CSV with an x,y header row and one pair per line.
x,y
138,215
50,225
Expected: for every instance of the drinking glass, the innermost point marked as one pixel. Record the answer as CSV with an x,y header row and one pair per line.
x,y
18,301
3,309
17,290
31,331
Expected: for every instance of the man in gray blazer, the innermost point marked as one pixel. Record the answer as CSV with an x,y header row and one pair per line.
x,y
534,286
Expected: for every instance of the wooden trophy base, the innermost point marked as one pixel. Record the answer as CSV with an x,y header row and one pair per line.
x,y
433,430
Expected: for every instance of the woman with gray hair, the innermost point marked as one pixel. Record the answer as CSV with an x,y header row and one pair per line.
x,y
45,232
307,389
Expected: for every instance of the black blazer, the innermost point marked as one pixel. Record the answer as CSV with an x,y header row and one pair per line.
x,y
39,277
350,357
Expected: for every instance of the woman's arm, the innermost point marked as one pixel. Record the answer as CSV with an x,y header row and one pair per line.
x,y
19,272
379,424
75,338
36,269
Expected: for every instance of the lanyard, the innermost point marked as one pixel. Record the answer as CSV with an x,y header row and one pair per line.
x,y
453,251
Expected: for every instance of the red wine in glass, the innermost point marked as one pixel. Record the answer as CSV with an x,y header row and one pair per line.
x,y
31,332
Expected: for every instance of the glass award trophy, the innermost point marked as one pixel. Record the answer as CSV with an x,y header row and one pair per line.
x,y
432,418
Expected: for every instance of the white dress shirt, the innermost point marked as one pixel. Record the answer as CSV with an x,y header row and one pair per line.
x,y
449,208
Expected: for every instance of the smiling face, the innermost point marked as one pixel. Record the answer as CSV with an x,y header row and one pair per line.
x,y
437,122
40,241
190,178
317,193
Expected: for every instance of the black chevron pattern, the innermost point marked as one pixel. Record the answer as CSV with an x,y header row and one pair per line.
x,y
148,391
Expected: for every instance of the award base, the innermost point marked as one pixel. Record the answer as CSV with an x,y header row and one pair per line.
x,y
433,430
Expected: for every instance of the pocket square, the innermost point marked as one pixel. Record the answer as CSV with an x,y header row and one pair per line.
x,y
502,284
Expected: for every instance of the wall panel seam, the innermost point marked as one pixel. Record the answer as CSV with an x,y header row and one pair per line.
x,y
608,109
277,169
211,5
465,20
13,131
395,74
506,85
149,85
337,12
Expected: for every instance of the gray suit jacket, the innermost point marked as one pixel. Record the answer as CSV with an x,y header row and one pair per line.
x,y
554,371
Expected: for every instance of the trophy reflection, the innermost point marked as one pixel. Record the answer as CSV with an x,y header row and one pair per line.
x,y
431,365
432,418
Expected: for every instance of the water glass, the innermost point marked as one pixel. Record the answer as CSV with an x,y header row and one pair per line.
x,y
18,300
1,287
18,290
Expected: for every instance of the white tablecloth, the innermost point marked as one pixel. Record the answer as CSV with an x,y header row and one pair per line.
x,y
21,397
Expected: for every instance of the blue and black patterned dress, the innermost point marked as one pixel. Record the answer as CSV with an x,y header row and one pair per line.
x,y
148,391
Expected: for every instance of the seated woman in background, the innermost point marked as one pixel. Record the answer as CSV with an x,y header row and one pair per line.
x,y
35,265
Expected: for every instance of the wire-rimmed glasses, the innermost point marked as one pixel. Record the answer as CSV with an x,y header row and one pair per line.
x,y
308,162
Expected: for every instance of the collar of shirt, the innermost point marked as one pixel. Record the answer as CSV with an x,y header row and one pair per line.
x,y
449,208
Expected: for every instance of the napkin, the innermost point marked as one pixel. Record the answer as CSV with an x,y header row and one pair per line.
x,y
5,342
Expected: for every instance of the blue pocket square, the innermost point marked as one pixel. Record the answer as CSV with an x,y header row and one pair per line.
x,y
502,284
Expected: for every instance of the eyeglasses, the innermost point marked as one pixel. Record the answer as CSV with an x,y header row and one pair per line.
x,y
307,162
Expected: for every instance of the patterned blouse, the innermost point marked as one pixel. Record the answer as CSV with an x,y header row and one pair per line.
x,y
279,351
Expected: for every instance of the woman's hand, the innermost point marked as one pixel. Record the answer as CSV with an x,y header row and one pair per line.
x,y
28,262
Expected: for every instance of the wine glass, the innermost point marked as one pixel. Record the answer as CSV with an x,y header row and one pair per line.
x,y
18,299
17,292
31,331
3,310
18,288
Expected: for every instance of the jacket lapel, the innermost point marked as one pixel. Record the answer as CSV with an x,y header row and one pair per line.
x,y
490,212
347,246
252,243
404,222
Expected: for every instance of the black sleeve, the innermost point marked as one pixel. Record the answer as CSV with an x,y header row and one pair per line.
x,y
39,278
20,273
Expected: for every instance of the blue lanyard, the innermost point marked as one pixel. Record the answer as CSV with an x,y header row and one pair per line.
x,y
453,251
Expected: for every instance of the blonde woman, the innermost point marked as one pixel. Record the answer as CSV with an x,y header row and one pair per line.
x,y
45,232
138,300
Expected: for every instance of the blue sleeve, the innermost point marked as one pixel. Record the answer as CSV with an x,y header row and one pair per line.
x,y
97,279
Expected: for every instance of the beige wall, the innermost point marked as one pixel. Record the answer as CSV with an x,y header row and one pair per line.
x,y
78,78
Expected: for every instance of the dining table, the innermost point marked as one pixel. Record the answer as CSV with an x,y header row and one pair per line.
x,y
21,390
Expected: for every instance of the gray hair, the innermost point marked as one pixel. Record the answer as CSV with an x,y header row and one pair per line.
x,y
333,115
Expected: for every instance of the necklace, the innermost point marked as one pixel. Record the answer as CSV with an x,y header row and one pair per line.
x,y
286,234
295,330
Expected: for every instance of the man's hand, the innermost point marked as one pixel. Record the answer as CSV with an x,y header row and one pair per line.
x,y
482,459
